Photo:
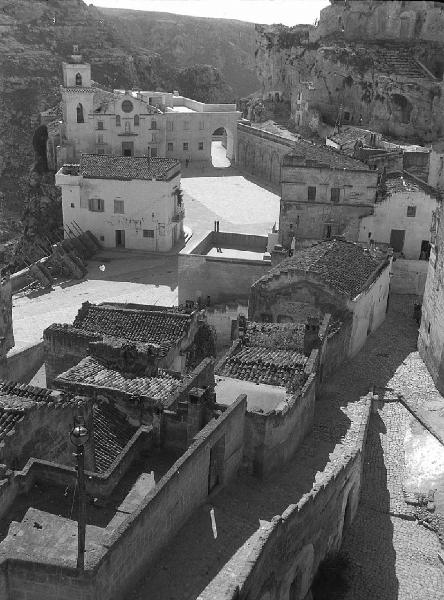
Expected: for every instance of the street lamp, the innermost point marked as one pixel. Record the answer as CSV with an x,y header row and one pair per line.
x,y
79,437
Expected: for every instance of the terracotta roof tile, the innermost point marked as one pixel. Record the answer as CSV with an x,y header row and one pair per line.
x,y
285,336
104,166
264,365
90,372
344,266
309,154
163,328
111,434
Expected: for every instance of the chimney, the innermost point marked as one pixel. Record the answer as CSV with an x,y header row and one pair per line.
x,y
311,335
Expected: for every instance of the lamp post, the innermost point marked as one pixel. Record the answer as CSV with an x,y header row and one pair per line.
x,y
79,437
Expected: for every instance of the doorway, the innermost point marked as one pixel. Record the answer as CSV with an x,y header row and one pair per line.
x,y
120,238
215,470
425,250
127,148
397,239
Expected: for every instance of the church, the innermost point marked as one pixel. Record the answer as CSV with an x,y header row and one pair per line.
x,y
132,123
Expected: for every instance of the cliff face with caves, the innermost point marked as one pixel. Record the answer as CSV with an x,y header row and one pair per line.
x,y
379,64
37,35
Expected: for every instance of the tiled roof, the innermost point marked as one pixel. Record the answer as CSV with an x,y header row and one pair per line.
x,y
344,266
288,336
91,372
163,328
263,365
31,394
403,182
8,420
105,166
308,154
349,135
111,434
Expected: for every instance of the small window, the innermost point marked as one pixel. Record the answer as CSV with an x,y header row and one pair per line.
x,y
72,205
185,145
334,194
153,124
102,238
99,124
311,193
161,228
201,125
200,145
186,125
117,120
96,204
170,146
150,100
154,151
136,121
119,207
148,233
79,111
411,211
100,150
78,79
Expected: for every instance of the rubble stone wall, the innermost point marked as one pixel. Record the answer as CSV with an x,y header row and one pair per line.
x,y
290,548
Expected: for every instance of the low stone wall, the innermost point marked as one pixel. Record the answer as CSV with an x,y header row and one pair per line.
x,y
287,551
272,438
408,276
114,566
97,484
64,347
23,363
221,317
220,278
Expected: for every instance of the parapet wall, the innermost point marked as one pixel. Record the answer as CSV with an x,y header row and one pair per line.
x,y
290,547
220,278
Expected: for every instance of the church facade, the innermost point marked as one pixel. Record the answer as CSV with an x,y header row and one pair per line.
x,y
132,123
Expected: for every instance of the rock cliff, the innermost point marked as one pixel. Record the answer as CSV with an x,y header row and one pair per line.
x,y
126,49
378,64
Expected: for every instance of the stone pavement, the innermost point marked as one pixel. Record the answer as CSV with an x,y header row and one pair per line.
x,y
392,557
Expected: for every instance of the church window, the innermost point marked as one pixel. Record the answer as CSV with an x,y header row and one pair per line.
x,y
411,211
99,124
79,110
127,106
185,145
100,138
186,125
201,124
127,127
153,124
136,121
117,120
78,79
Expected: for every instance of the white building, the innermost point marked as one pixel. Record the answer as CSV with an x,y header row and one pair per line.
x,y
403,218
133,123
125,201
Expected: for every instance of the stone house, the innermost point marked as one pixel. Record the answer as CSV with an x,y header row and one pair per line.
x,y
277,366
133,123
334,276
402,217
431,332
126,202
323,193
169,339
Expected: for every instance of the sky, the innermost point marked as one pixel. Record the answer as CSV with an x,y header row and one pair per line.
x,y
288,12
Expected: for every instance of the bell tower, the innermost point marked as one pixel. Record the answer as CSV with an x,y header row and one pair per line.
x,y
77,103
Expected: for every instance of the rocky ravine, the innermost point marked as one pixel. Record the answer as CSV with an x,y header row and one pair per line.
x,y
37,35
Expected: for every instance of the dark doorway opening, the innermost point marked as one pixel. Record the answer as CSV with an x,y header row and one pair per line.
x,y
127,148
120,238
425,250
397,239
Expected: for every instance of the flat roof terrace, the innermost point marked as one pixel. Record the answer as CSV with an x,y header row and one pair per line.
x,y
260,397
